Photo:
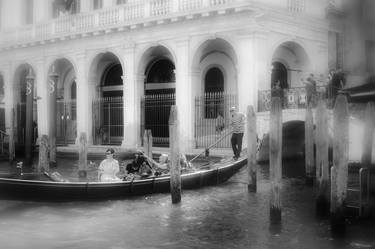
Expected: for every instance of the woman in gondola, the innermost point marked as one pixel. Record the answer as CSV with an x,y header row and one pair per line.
x,y
109,168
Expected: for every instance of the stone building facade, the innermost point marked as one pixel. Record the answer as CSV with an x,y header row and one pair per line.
x,y
72,64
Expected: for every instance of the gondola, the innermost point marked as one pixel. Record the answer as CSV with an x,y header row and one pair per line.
x,y
27,187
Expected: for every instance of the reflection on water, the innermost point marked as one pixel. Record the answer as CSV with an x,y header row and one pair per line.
x,y
225,216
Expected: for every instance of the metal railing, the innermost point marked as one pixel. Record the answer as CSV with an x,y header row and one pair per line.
x,y
212,118
295,97
66,121
362,190
108,124
155,110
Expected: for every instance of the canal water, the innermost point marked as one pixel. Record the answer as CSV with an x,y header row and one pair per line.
x,y
224,216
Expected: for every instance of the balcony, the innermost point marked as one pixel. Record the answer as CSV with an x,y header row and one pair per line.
x,y
294,98
118,18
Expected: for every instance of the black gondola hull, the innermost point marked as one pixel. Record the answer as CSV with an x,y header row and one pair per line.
x,y
65,191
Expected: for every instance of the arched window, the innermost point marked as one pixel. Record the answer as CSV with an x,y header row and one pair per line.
x,y
161,72
113,76
214,81
213,89
279,73
73,91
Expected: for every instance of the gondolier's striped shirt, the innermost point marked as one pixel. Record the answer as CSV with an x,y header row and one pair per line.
x,y
237,122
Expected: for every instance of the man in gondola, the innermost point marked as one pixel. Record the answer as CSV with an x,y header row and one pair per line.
x,y
140,165
237,124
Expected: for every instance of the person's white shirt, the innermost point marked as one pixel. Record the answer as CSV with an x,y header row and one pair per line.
x,y
108,170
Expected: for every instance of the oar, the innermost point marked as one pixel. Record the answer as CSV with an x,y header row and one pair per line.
x,y
206,150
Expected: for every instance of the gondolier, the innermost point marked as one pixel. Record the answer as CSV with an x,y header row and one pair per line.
x,y
237,124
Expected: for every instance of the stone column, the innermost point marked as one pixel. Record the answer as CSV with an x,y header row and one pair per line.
x,y
129,100
29,117
184,97
139,115
42,98
252,70
92,94
84,106
52,93
246,73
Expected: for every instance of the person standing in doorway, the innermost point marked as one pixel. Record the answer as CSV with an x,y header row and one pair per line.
x,y
237,124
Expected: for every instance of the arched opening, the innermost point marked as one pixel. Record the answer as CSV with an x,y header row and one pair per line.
x,y
159,97
156,93
65,116
213,89
279,74
106,76
290,64
25,110
111,108
160,77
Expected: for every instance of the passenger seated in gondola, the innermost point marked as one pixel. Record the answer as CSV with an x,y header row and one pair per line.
x,y
109,168
163,167
140,165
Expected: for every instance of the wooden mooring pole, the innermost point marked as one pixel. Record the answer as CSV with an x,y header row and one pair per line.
x,y
251,149
82,157
174,144
322,166
43,154
275,154
339,171
368,135
309,146
147,143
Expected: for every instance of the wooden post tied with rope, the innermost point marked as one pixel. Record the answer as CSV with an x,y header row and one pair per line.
x,y
251,149
309,147
322,165
43,154
147,143
175,167
275,151
339,171
82,157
